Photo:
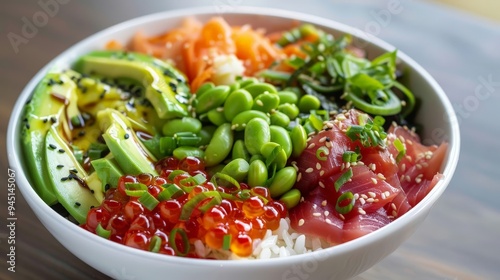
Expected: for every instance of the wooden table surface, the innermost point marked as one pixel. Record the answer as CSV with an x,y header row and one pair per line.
x,y
460,237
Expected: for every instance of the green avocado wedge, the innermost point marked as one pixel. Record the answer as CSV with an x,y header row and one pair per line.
x,y
52,100
130,154
67,177
164,85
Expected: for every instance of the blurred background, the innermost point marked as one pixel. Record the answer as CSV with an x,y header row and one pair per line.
x,y
489,9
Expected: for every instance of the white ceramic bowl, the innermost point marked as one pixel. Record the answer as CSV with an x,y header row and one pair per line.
x,y
339,262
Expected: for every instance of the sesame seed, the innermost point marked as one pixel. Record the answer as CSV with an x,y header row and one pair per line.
x,y
299,176
322,172
370,200
302,199
361,211
347,165
342,216
356,196
59,166
322,139
394,213
301,222
362,201
387,193
407,178
418,180
409,142
311,146
381,176
61,151
318,166
326,213
309,170
374,181
373,167
52,146
418,165
324,203
126,136
364,196
328,221
328,144
321,184
317,214
383,195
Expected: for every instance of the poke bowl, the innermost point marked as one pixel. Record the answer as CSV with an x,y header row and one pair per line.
x,y
366,144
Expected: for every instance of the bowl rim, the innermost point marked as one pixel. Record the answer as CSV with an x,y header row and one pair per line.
x,y
15,159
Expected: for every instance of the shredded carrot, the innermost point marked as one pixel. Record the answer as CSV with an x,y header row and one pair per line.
x,y
192,47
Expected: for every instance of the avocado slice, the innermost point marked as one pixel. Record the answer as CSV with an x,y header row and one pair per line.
x,y
67,177
108,172
130,154
53,103
165,86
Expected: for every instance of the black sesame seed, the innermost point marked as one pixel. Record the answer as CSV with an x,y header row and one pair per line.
x,y
59,166
81,133
28,101
77,204
92,191
159,91
74,171
61,151
64,179
51,82
126,136
61,82
27,126
107,186
53,119
327,139
52,146
45,120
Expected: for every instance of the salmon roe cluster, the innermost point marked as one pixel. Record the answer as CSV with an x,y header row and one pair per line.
x,y
243,215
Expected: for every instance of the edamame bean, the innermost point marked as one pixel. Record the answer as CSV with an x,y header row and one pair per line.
x,y
204,88
291,110
257,173
256,157
298,136
280,156
233,87
216,116
260,88
288,97
220,145
211,99
182,152
280,135
206,133
283,181
248,81
238,101
241,120
237,168
257,133
291,198
308,103
240,151
185,124
266,102
279,119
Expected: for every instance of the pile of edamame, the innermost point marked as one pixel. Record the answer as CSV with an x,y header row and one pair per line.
x,y
247,130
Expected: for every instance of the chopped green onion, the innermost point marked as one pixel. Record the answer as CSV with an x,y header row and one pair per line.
x,y
104,233
322,153
135,189
371,134
192,141
167,145
401,148
174,174
274,75
226,178
344,178
78,153
316,122
184,134
172,238
170,191
345,209
216,200
226,242
155,244
191,205
349,156
244,194
198,179
148,200
97,150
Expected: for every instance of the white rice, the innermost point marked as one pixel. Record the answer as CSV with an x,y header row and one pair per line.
x,y
282,242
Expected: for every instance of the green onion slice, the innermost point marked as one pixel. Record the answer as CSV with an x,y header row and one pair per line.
x,y
102,232
148,200
170,191
347,208
226,178
322,153
155,244
226,242
172,238
400,147
346,176
193,203
135,189
174,174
